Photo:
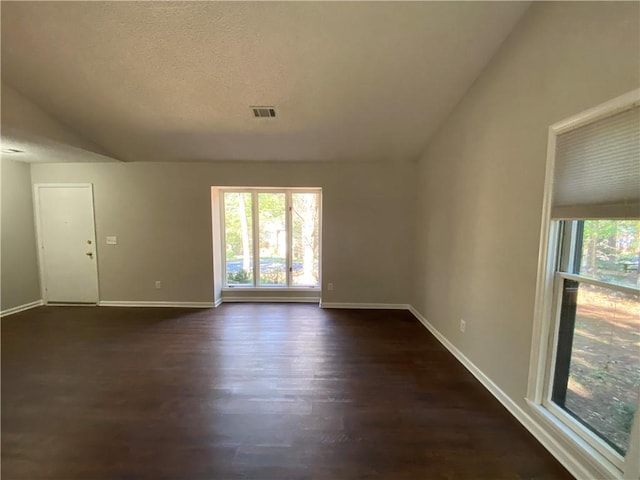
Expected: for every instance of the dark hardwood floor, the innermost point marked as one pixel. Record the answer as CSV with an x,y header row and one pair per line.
x,y
254,391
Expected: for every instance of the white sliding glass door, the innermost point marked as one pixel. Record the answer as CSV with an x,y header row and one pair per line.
x,y
272,238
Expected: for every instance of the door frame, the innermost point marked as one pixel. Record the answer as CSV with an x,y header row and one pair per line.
x,y
39,245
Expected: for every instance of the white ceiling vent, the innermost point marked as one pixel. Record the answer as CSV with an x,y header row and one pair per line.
x,y
264,112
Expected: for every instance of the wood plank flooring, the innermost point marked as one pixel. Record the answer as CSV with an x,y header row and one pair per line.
x,y
247,391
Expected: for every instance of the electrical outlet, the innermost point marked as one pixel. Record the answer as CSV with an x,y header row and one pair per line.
x,y
463,325
158,284
329,286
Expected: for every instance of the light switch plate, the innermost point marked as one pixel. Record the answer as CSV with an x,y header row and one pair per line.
x,y
112,240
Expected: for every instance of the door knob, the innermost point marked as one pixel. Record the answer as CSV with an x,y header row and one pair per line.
x,y
89,254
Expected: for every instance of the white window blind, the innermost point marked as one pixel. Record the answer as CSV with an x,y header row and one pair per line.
x,y
597,169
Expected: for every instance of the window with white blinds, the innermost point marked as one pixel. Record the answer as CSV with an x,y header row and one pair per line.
x,y
584,379
597,169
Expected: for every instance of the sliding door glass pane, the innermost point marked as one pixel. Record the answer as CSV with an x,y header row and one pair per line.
x,y
597,375
238,235
272,238
305,249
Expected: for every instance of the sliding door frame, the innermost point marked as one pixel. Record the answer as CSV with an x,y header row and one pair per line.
x,y
255,235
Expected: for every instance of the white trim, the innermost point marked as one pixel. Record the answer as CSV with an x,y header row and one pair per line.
x,y
221,246
371,306
616,287
270,299
217,303
21,308
288,222
126,303
563,455
578,431
320,241
271,289
592,460
255,242
71,304
619,104
216,239
547,258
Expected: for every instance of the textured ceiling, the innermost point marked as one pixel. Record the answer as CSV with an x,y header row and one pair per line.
x,y
171,81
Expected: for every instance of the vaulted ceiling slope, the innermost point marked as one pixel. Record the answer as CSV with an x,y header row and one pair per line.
x,y
173,81
38,137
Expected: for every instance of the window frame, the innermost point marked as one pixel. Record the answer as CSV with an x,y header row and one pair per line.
x,y
566,239
546,323
255,233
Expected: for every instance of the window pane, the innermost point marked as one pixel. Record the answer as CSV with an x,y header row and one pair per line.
x,y
238,238
597,375
610,250
305,247
272,239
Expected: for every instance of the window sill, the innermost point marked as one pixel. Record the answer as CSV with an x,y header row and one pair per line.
x,y
271,289
572,444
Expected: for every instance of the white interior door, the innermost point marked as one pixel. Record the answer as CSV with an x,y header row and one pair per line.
x,y
67,243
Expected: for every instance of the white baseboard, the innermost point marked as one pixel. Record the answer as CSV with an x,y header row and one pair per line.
x,y
269,300
566,458
21,308
116,303
217,303
370,306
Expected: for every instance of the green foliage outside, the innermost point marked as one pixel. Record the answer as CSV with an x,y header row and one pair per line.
x,y
239,277
610,249
625,413
234,205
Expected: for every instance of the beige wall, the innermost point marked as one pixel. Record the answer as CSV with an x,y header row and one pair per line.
x,y
161,214
481,179
20,279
